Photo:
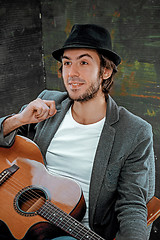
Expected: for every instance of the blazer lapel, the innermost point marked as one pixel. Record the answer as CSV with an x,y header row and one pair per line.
x,y
99,166
102,156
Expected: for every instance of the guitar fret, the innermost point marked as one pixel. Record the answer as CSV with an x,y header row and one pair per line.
x,y
71,227
57,215
70,224
66,222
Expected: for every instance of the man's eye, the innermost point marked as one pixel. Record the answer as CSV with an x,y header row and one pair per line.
x,y
66,63
84,63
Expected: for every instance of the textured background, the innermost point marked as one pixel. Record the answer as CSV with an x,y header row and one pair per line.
x,y
21,68
30,30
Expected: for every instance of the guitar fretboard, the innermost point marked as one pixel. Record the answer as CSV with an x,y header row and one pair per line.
x,y
66,222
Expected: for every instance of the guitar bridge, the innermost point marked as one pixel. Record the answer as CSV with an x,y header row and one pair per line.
x,y
5,174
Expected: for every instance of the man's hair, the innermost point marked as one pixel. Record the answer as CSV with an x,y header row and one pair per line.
x,y
107,83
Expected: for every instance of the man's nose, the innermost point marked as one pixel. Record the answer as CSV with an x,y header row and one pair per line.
x,y
73,71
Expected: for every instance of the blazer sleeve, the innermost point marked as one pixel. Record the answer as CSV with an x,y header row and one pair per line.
x,y
9,139
136,186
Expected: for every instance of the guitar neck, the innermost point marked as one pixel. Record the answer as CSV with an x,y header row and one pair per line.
x,y
66,222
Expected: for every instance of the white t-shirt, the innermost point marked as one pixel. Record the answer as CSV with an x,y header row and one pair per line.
x,y
72,150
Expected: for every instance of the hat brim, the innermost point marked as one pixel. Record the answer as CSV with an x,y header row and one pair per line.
x,y
114,57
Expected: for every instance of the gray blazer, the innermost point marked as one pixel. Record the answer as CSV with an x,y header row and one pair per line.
x,y
123,174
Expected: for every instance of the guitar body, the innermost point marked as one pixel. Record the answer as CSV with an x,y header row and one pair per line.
x,y
23,193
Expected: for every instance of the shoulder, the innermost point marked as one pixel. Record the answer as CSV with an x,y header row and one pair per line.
x,y
134,121
137,129
126,121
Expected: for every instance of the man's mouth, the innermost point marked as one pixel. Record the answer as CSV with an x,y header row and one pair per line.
x,y
75,83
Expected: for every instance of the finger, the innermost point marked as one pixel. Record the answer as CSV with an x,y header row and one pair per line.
x,y
42,116
52,107
41,108
44,109
40,113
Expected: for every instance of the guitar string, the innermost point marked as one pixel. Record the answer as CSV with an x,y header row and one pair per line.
x,y
82,229
65,225
61,216
32,193
27,195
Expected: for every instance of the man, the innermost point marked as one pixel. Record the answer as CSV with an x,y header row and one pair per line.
x,y
85,136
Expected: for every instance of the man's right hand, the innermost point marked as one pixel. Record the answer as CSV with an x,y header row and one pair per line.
x,y
36,111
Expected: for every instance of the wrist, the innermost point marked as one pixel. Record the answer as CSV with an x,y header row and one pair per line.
x,y
19,119
12,123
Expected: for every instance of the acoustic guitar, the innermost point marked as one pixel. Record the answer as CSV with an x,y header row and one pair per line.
x,y
35,204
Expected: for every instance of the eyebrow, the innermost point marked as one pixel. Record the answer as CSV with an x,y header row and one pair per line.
x,y
79,57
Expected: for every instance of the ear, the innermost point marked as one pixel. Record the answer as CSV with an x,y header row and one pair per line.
x,y
107,73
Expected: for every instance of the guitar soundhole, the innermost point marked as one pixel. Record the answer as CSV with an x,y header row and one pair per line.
x,y
29,200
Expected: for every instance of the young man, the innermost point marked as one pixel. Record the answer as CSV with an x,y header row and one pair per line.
x,y
84,135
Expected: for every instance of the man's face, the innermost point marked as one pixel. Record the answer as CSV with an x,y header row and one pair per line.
x,y
81,73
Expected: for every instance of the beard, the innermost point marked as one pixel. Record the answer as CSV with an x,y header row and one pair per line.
x,y
90,93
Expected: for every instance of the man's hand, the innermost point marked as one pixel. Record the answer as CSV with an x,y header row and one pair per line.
x,y
37,111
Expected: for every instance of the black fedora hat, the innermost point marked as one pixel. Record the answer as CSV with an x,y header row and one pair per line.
x,y
89,36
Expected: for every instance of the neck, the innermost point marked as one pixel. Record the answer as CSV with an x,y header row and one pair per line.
x,y
89,112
